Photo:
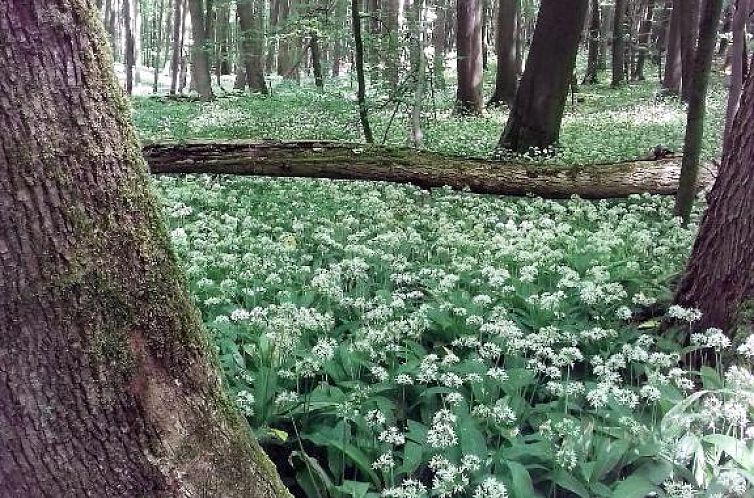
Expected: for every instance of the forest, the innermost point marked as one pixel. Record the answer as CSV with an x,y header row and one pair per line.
x,y
377,248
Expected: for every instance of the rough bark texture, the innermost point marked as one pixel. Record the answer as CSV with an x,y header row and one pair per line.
x,y
200,78
697,99
506,33
619,46
719,278
538,109
469,61
316,159
107,387
592,65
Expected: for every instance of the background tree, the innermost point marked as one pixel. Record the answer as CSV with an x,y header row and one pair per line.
x,y
592,65
361,80
506,34
108,383
199,53
689,28
469,62
536,115
644,40
619,47
697,99
738,58
251,47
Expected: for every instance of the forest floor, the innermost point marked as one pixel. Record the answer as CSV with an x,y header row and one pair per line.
x,y
385,339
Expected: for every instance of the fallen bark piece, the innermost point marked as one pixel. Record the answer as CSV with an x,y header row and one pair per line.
x,y
338,160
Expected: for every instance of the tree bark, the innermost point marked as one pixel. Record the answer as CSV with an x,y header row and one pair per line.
x,y
129,45
671,80
645,36
108,385
338,160
253,58
537,113
176,58
608,12
199,53
469,59
619,46
719,278
439,32
738,50
697,98
592,65
319,79
506,32
416,135
359,61
689,34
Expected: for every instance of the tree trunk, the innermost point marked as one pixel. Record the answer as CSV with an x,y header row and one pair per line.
x,y
697,98
619,46
439,32
469,59
176,58
535,119
338,160
319,80
129,46
506,77
158,45
416,136
738,57
253,58
391,53
719,278
361,91
108,385
645,35
671,80
223,30
199,53
689,34
608,12
592,65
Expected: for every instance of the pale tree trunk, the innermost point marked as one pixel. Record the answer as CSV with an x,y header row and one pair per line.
x,y
391,14
272,42
158,45
697,98
738,57
671,80
619,47
645,37
469,62
439,33
416,137
251,48
506,32
175,60
108,385
719,278
136,29
199,54
592,65
608,11
537,113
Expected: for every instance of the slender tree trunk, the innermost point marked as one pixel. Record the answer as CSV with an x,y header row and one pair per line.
x,y
136,34
592,65
199,50
176,56
107,381
660,32
158,46
535,119
619,46
645,34
183,58
689,34
129,45
273,43
738,51
469,62
697,108
416,137
506,78
391,15
608,12
210,29
439,33
358,43
671,80
223,31
250,36
719,278
319,80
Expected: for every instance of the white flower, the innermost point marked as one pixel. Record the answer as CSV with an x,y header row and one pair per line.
x,y
384,462
442,433
392,435
491,488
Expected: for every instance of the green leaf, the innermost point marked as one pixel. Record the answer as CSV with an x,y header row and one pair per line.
x,y
356,456
353,489
634,486
521,485
569,482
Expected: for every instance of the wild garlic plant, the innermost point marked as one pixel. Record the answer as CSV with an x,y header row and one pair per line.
x,y
387,341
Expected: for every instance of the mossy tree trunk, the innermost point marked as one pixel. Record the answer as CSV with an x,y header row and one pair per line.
x,y
719,278
535,119
108,385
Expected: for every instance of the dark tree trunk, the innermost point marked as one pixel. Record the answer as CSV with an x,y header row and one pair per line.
x,y
645,35
176,56
697,97
592,64
338,160
506,78
251,50
535,119
129,46
319,80
223,45
719,278
200,78
157,66
738,52
107,382
689,34
619,46
469,62
671,80
361,92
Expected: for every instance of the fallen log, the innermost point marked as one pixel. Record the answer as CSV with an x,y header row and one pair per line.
x,y
337,160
